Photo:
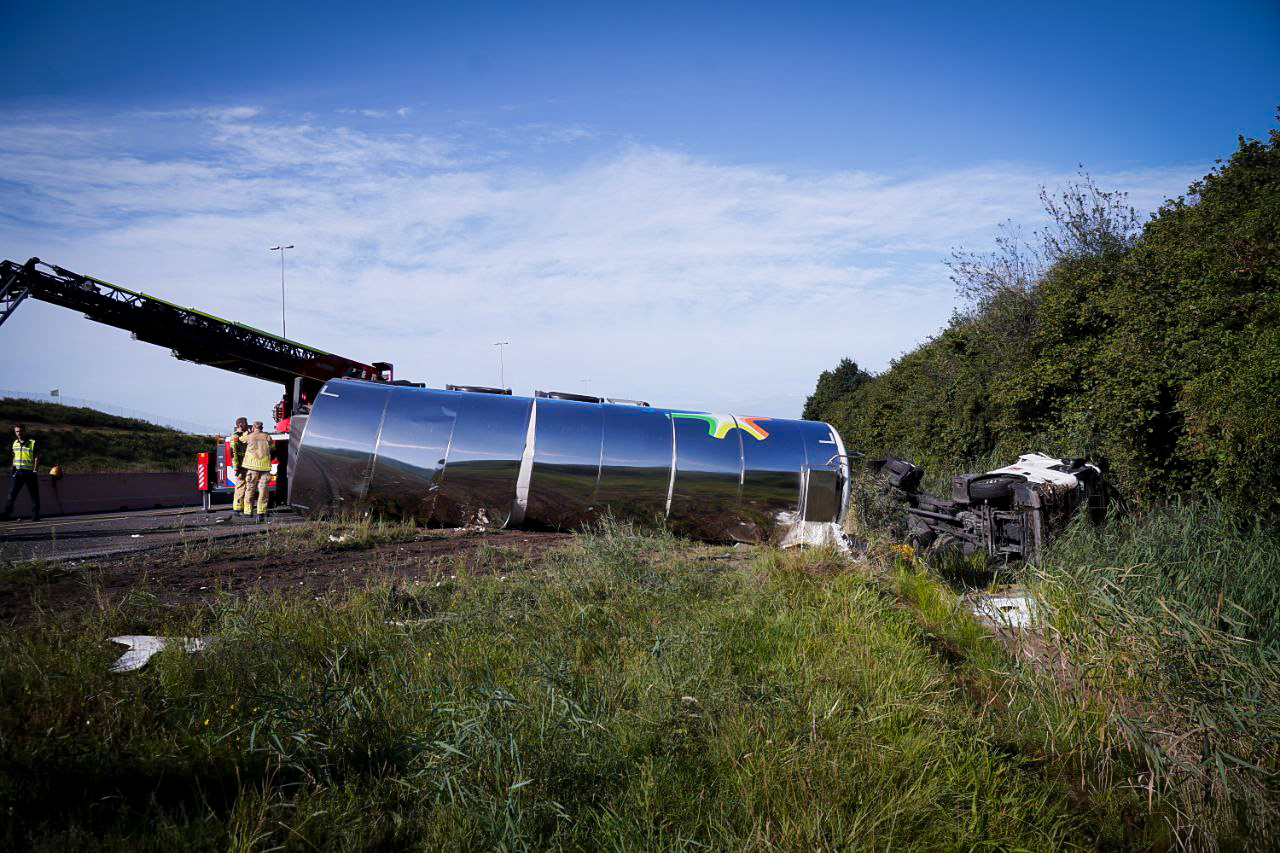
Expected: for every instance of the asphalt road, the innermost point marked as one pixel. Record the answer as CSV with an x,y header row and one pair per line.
x,y
107,534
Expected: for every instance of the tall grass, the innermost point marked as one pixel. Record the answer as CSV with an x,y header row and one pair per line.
x,y
1174,616
1192,557
629,692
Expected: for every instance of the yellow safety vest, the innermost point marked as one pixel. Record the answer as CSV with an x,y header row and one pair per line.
x,y
24,455
237,450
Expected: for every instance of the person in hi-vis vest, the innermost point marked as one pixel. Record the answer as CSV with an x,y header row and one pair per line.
x,y
26,461
237,462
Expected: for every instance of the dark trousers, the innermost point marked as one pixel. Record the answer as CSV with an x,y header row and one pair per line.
x,y
32,482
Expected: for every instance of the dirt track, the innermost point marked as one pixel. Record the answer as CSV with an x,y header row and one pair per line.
x,y
178,577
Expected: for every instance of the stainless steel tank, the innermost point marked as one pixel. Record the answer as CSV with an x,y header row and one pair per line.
x,y
458,457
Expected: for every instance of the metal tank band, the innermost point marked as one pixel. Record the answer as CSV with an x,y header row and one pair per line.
x,y
456,457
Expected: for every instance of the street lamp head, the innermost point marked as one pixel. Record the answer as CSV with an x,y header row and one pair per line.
x,y
284,330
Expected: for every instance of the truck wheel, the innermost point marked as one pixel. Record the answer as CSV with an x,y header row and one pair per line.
x,y
992,488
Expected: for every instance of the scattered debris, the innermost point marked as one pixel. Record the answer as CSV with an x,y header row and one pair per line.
x,y
800,533
142,648
1011,611
333,538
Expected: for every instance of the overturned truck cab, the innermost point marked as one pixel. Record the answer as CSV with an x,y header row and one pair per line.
x,y
463,457
1008,514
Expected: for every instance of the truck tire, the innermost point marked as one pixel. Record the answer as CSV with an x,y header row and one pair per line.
x,y
993,488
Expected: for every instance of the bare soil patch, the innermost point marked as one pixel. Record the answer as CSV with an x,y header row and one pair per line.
x,y
175,579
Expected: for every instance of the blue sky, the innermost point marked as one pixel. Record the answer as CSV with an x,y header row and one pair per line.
x,y
699,204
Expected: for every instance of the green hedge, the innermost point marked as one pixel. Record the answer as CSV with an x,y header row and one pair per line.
x,y
1155,353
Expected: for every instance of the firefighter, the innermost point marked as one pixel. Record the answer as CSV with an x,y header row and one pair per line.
x,y
257,474
26,461
237,462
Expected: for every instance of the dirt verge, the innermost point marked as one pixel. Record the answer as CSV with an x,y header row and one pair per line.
x,y
175,579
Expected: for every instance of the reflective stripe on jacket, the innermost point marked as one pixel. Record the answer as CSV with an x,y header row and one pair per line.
x,y
257,451
24,455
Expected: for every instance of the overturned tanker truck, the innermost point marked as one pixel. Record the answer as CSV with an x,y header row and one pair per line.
x,y
461,457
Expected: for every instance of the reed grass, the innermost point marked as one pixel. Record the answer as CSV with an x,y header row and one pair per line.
x,y
1172,617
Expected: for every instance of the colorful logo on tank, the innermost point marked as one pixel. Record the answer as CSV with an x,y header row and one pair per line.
x,y
718,426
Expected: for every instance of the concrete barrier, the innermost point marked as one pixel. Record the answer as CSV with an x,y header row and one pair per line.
x,y
75,493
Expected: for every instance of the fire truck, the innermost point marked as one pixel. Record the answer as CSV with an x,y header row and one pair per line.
x,y
195,336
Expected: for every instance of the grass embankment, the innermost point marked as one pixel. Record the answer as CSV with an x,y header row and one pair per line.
x,y
638,692
85,441
629,691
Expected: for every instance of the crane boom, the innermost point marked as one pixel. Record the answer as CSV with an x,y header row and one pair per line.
x,y
189,334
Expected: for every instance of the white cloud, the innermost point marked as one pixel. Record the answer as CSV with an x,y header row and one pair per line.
x,y
651,272
401,112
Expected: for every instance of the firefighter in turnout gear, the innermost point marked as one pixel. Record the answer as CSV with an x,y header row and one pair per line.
x,y
257,473
237,461
26,461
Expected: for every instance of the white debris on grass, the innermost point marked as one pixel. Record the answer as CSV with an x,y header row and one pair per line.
x,y
800,533
1013,611
142,648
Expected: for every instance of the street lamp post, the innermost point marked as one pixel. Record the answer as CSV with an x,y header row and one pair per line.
x,y
502,372
284,333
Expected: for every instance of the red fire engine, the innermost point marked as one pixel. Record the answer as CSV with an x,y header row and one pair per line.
x,y
195,336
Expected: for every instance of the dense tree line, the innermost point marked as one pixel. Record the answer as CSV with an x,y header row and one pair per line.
x,y
1154,349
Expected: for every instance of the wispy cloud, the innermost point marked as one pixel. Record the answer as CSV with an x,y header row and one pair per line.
x,y
546,134
649,271
402,112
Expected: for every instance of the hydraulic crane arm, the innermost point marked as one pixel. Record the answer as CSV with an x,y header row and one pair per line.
x,y
190,334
